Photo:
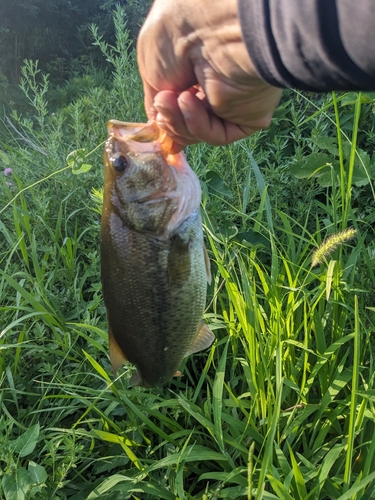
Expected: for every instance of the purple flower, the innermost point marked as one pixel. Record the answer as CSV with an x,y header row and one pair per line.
x,y
8,171
8,184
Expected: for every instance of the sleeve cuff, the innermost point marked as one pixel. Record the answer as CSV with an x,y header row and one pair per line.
x,y
298,44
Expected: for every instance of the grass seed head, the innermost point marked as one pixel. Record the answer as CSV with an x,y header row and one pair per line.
x,y
330,245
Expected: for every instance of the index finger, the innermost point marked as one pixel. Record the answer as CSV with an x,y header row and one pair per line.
x,y
149,97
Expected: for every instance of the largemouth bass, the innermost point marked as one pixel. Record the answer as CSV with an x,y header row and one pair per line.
x,y
153,261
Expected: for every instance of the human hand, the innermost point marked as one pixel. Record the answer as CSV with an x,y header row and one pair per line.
x,y
199,81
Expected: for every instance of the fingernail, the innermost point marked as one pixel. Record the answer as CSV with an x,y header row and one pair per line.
x,y
163,112
184,107
161,123
161,117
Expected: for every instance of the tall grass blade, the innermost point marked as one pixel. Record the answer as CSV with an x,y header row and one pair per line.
x,y
262,189
353,398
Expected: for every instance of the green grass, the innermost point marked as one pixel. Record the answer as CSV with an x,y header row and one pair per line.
x,y
282,405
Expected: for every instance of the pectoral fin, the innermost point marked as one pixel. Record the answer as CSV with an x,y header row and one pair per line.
x,y
203,339
179,262
115,354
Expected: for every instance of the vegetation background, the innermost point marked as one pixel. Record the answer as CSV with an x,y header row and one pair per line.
x,y
282,405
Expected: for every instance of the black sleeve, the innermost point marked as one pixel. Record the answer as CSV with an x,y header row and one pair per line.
x,y
311,44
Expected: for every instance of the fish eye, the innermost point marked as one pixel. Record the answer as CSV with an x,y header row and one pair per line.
x,y
120,163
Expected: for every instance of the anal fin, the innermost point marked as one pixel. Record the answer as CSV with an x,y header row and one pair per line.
x,y
115,353
203,339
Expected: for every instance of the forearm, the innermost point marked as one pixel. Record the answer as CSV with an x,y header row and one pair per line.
x,y
311,44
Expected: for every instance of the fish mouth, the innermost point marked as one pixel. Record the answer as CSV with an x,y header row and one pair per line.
x,y
140,132
140,137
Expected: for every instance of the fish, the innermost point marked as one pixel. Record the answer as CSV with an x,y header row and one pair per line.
x,y
154,264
